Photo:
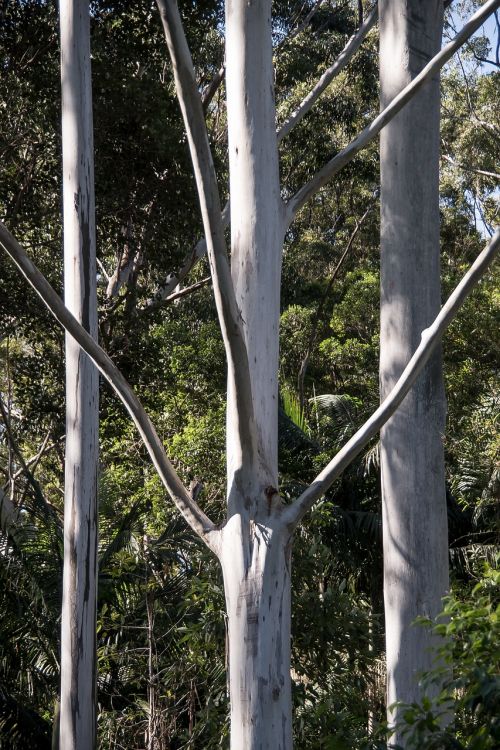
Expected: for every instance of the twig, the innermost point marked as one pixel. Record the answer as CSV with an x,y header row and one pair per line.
x,y
468,168
189,289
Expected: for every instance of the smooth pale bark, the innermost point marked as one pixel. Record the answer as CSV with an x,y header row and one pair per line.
x,y
241,417
430,338
257,227
164,293
254,550
78,626
255,557
338,66
188,508
346,155
390,110
415,531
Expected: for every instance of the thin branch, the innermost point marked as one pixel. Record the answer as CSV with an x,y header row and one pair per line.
x,y
103,270
430,337
17,451
208,192
468,96
210,90
486,60
189,289
32,462
301,26
340,63
197,253
195,517
468,168
371,131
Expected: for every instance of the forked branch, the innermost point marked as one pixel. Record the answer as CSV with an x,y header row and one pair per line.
x,y
430,338
193,514
371,131
208,192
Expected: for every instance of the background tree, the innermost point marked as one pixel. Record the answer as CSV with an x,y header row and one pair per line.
x,y
411,450
78,621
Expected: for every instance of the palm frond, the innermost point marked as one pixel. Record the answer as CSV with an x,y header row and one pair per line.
x,y
371,459
293,409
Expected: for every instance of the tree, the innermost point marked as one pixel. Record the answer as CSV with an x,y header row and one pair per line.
x,y
78,625
254,543
415,529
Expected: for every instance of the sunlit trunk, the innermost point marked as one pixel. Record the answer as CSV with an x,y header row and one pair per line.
x,y
255,557
257,228
256,567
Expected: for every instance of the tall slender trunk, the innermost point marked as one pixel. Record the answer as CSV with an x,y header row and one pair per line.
x,y
78,629
412,459
254,547
257,215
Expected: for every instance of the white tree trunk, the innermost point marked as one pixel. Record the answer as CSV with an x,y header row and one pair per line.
x,y
412,458
254,552
78,645
256,565
257,217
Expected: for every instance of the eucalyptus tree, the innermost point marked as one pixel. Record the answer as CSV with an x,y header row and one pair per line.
x,y
254,542
415,532
78,623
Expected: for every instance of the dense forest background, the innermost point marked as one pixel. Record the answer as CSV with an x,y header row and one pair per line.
x,y
161,634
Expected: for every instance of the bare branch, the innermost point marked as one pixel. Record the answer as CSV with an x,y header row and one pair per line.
x,y
360,12
340,63
195,517
103,270
189,289
227,309
301,26
371,131
32,462
197,253
210,90
431,336
467,168
15,448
